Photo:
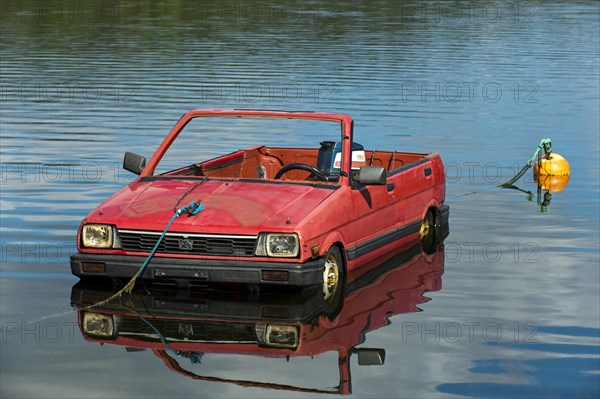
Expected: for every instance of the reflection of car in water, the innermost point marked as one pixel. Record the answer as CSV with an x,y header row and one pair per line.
x,y
178,323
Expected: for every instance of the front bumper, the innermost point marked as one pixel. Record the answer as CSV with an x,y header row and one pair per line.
x,y
199,271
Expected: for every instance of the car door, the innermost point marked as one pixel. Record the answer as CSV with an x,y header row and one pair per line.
x,y
374,218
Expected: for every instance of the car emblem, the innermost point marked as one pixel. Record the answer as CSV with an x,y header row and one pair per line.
x,y
186,329
186,244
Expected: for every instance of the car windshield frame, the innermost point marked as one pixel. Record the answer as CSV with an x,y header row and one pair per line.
x,y
344,121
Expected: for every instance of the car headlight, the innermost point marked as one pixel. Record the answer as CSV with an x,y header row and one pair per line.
x,y
97,236
277,335
98,325
281,245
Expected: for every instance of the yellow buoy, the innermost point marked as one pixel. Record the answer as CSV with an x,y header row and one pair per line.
x,y
552,165
552,184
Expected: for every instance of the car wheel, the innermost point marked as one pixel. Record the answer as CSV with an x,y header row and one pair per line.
x,y
426,225
333,282
427,233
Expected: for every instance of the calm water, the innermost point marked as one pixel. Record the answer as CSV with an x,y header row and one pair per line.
x,y
516,311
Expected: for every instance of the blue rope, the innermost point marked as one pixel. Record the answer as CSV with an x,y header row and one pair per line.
x,y
192,209
193,356
546,146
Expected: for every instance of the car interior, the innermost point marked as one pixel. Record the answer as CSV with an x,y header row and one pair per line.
x,y
280,163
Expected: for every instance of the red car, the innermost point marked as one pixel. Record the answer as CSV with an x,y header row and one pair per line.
x,y
262,215
192,324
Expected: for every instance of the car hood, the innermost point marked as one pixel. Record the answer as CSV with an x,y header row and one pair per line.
x,y
229,207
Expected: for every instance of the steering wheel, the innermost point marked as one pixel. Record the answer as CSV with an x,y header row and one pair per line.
x,y
302,166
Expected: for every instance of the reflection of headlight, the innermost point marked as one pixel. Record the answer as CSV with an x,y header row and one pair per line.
x,y
98,325
277,335
284,336
282,245
97,236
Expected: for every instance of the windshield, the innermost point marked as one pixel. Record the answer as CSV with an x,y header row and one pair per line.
x,y
227,147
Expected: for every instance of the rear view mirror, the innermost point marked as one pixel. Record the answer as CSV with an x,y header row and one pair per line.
x,y
371,175
134,349
134,163
370,357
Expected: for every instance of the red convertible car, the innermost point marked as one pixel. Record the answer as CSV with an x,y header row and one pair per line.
x,y
262,215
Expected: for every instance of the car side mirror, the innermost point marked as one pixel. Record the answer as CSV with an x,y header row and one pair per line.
x,y
375,175
370,357
134,163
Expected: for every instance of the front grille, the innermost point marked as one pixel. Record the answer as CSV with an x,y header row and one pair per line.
x,y
191,244
187,330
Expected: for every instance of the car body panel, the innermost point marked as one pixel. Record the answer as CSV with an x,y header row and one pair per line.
x,y
230,207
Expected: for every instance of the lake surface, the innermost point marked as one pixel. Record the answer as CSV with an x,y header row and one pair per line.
x,y
516,311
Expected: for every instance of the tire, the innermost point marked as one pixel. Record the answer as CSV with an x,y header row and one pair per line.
x,y
427,233
334,278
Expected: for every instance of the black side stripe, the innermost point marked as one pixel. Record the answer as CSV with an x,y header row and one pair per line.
x,y
391,264
383,239
407,166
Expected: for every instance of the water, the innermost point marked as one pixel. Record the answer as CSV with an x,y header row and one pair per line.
x,y
517,312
